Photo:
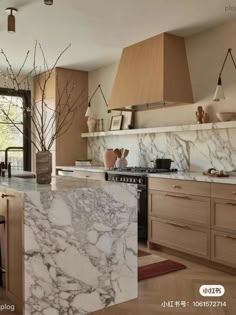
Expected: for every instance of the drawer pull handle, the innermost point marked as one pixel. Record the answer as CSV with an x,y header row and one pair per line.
x,y
177,186
180,197
231,204
234,192
179,225
230,237
5,196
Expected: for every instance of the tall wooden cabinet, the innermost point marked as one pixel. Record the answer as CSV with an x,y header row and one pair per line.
x,y
11,207
69,146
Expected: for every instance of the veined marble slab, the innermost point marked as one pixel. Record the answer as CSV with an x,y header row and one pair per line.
x,y
80,245
192,150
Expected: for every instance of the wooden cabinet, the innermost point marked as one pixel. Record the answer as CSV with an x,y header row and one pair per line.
x,y
180,186
180,236
223,248
179,215
70,146
185,208
11,205
223,191
194,217
223,216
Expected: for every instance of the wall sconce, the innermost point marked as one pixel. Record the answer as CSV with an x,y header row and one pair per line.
x,y
89,112
219,93
11,21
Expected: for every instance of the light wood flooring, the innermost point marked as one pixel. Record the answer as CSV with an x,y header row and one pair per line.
x,y
182,285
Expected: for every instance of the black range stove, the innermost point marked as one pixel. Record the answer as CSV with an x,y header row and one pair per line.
x,y
134,175
137,175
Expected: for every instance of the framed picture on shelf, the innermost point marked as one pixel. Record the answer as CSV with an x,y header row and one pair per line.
x,y
116,122
128,120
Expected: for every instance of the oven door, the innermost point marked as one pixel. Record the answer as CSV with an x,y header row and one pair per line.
x,y
142,213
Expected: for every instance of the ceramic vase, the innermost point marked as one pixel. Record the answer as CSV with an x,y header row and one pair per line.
x,y
44,167
109,158
121,163
91,123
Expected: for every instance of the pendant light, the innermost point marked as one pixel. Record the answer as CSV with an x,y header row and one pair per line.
x,y
11,21
48,2
219,93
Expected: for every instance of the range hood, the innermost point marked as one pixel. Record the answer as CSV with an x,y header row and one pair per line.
x,y
153,73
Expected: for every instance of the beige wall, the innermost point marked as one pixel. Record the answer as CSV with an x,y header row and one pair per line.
x,y
206,52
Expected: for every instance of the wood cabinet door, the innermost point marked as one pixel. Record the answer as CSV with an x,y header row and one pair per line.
x,y
223,248
223,215
183,237
179,207
3,213
14,234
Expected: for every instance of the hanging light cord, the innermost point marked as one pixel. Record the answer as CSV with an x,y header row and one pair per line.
x,y
228,53
99,88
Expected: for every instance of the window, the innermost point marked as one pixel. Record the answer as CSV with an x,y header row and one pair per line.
x,y
13,145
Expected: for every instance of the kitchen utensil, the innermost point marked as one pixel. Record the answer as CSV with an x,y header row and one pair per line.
x,y
126,152
163,163
117,152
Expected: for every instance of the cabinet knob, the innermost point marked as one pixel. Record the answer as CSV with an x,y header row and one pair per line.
x,y
234,192
177,186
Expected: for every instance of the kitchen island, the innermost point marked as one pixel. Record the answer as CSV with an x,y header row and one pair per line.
x,y
75,242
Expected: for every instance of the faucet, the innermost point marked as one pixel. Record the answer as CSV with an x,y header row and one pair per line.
x,y
10,149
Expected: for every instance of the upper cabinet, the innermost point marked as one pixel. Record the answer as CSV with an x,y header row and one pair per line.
x,y
65,85
152,72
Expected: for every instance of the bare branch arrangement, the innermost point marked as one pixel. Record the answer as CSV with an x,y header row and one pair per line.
x,y
48,123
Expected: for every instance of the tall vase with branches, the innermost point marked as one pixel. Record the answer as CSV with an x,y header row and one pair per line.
x,y
47,123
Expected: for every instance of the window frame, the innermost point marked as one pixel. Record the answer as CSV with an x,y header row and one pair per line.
x,y
26,97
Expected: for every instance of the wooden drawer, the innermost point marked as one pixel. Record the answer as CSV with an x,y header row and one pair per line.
x,y
223,248
187,238
180,186
89,175
223,215
180,207
224,191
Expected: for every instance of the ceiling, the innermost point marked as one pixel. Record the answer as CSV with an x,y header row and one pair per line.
x,y
99,29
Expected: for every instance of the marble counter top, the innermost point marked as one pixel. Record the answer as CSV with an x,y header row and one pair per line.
x,y
59,183
97,169
79,244
196,176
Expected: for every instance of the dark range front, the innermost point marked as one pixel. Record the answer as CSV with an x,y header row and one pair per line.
x,y
138,176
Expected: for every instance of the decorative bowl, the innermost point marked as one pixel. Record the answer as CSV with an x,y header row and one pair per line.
x,y
226,116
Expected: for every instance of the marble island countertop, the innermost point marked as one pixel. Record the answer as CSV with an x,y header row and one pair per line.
x,y
79,244
82,168
59,183
196,176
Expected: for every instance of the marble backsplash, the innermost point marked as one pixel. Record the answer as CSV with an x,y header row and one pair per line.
x,y
191,150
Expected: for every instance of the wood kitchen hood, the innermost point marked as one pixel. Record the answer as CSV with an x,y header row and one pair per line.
x,y
153,73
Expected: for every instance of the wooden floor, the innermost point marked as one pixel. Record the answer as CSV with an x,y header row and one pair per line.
x,y
178,286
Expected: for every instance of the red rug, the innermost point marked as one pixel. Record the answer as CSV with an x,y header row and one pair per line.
x,y
153,265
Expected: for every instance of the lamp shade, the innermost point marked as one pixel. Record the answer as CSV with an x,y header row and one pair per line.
x,y
89,112
219,94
